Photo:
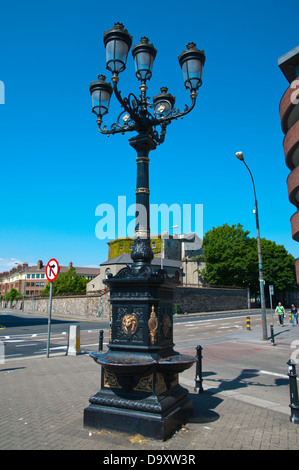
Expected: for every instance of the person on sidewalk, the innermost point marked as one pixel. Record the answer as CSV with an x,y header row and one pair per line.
x,y
281,312
294,312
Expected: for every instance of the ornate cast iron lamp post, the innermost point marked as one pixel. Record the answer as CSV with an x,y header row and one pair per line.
x,y
140,388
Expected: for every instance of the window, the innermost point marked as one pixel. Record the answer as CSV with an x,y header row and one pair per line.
x,y
42,284
36,292
37,276
121,247
32,284
27,284
153,244
37,284
42,276
28,276
27,292
32,276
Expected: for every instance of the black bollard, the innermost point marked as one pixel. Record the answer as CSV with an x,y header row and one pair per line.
x,y
101,337
198,379
272,335
294,418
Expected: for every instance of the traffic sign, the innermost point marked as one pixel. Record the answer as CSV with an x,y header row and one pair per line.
x,y
52,270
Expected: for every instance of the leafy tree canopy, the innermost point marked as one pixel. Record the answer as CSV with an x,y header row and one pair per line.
x,y
67,283
232,260
13,294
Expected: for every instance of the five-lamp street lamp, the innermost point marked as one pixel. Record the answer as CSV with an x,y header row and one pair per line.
x,y
240,156
140,390
149,119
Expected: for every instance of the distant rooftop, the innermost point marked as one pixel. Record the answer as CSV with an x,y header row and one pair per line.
x,y
289,64
125,258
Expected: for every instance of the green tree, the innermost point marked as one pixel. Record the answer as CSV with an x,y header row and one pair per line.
x,y
231,259
13,294
278,266
67,283
228,256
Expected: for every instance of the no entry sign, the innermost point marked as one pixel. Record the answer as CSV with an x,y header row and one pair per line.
x,y
52,270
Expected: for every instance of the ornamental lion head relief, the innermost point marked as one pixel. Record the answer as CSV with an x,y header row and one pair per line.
x,y
129,324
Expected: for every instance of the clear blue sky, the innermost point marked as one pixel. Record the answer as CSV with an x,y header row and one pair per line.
x,y
56,168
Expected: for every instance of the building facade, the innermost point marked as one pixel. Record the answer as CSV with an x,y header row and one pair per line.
x,y
31,280
289,116
180,255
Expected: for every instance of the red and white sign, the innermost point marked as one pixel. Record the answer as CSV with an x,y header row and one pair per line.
x,y
52,270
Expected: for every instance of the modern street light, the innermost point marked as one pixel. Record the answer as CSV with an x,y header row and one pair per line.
x,y
240,156
140,387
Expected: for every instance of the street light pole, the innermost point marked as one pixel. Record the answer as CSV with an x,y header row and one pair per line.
x,y
240,156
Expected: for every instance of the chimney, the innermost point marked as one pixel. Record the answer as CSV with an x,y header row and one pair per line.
x,y
39,264
71,264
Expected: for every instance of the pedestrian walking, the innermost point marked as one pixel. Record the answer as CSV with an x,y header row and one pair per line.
x,y
294,312
281,312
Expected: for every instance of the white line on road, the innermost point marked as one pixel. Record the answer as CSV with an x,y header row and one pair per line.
x,y
266,372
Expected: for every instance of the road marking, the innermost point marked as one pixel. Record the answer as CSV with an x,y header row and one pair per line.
x,y
12,355
51,349
266,372
15,341
231,326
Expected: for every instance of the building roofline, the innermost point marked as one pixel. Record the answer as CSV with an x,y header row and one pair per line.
x,y
288,64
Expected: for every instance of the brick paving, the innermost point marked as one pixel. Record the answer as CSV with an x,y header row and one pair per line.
x,y
42,403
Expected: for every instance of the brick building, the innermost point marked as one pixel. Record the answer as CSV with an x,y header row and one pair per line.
x,y
289,116
31,280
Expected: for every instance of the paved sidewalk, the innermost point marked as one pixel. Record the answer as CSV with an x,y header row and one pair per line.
x,y
42,403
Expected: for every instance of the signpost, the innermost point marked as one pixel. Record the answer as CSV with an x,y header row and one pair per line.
x,y
52,270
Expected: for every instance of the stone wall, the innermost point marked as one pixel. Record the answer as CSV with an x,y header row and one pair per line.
x,y
208,299
191,300
77,305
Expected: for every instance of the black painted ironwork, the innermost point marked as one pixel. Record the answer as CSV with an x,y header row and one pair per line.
x,y
294,405
140,390
198,378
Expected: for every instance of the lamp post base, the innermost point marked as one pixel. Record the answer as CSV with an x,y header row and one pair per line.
x,y
140,390
157,424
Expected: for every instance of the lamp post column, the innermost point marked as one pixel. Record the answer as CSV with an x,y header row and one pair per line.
x,y
261,277
259,251
142,251
240,156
